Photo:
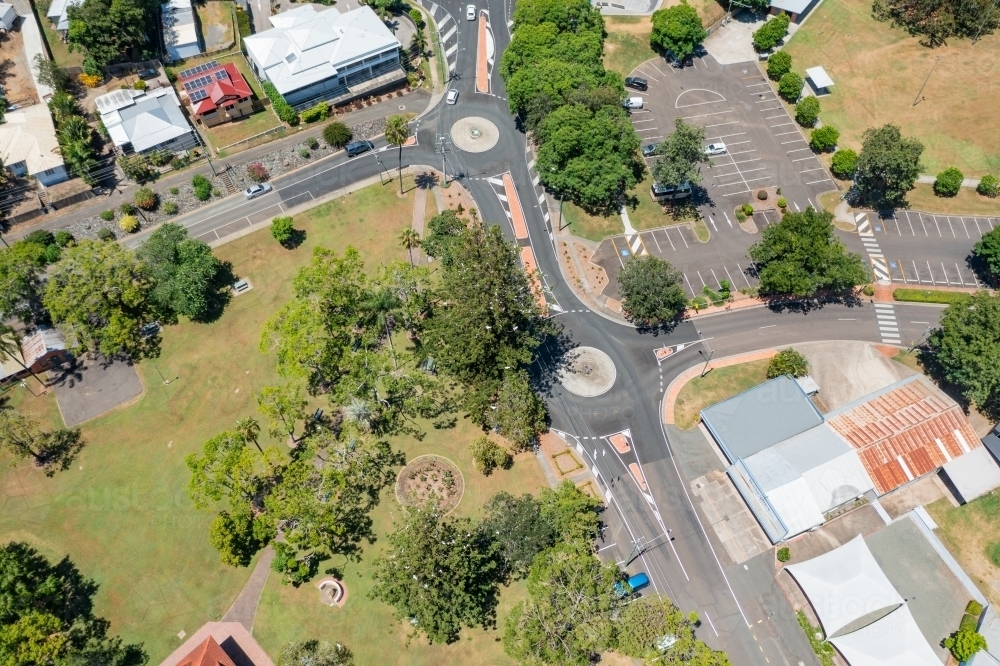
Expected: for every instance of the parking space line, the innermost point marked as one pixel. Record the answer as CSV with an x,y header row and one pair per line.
x,y
749,170
803,159
781,125
737,143
751,180
785,143
701,278
755,159
705,115
978,230
813,182
741,152
731,122
733,194
681,234
754,85
669,241
651,120
786,133
618,252
951,227
808,170
797,150
932,274
962,220
658,248
650,76
723,136
655,67
775,108
780,115
934,217
716,278
689,285
765,101
959,271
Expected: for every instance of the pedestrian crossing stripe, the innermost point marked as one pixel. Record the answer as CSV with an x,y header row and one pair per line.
x,y
864,226
638,248
880,267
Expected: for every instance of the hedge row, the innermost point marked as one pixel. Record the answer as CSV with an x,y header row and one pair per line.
x,y
280,106
930,296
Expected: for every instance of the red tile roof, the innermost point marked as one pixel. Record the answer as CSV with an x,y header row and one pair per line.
x,y
208,653
219,91
905,433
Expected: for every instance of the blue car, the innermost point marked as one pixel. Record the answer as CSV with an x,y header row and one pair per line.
x,y
635,583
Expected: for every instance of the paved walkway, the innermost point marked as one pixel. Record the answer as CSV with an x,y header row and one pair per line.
x,y
930,180
244,608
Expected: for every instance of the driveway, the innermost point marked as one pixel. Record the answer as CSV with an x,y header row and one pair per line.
x,y
90,387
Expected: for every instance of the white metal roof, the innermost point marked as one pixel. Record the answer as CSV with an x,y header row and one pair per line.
x,y
179,28
306,46
844,585
143,118
819,77
7,13
791,6
974,473
59,12
894,640
28,135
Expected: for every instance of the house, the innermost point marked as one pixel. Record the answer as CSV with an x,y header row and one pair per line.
x,y
180,33
41,351
216,93
28,145
59,14
312,56
140,121
8,17
219,644
797,9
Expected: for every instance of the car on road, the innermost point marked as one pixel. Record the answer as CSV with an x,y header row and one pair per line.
x,y
257,190
358,147
636,82
635,583
647,151
470,12
452,97
715,149
632,103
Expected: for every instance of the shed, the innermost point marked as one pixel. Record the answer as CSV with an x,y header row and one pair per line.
x,y
973,474
820,80
180,31
8,17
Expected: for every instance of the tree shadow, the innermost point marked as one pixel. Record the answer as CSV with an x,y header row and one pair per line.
x,y
778,303
67,373
297,237
59,449
552,359
425,180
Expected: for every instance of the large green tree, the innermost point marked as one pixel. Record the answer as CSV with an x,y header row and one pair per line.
x,y
536,43
567,15
801,255
887,167
440,574
315,653
967,349
937,20
50,450
99,295
519,414
646,622
442,231
519,529
987,250
20,283
570,511
183,270
679,155
677,30
651,291
110,30
543,87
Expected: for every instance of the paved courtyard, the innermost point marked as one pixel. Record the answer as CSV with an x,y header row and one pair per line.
x,y
89,387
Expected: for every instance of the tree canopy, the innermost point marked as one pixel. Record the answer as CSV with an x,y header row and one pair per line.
x,y
566,15
20,283
677,30
646,621
110,30
937,20
967,346
678,156
520,530
787,362
651,291
571,512
987,250
184,272
887,167
315,653
801,255
50,450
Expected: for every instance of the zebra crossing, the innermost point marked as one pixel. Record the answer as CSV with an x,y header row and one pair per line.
x,y
878,262
888,327
447,31
633,246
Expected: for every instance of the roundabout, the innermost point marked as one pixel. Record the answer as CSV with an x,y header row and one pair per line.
x,y
587,372
474,134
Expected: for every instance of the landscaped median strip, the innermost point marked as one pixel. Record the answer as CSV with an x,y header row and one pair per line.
x,y
482,67
531,268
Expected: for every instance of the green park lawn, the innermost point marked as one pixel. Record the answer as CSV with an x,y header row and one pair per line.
x,y
122,514
717,385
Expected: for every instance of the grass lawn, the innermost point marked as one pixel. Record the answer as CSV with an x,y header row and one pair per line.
x,y
717,385
229,133
911,360
644,214
216,19
971,533
122,513
60,52
592,227
878,71
966,202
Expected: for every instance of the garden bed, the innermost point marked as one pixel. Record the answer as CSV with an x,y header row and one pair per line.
x,y
430,479
930,296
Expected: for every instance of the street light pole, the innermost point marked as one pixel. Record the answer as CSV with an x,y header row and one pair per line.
x,y
707,360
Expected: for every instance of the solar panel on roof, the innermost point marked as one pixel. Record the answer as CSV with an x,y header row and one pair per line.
x,y
200,82
221,75
198,70
199,95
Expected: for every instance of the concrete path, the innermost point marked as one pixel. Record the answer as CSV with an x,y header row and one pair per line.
x,y
244,608
929,180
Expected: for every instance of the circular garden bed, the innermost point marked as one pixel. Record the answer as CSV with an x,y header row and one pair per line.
x,y
430,478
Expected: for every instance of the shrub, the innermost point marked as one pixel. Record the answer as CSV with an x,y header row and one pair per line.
x,y
790,86
216,192
105,234
90,80
175,191
129,223
488,455
868,290
91,68
782,202
771,33
989,186
934,296
974,608
39,237
304,152
844,163
318,112
51,253
280,106
160,157
787,362
337,135
417,18
312,143
127,209
778,65
784,554
134,167
63,238
139,85
243,22
108,215
202,187
145,198
257,172
747,209
740,215
762,195
807,111
824,139
963,644
948,182
292,569
282,230
170,207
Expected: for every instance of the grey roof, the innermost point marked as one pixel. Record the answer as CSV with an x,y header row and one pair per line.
x,y
152,118
973,474
756,419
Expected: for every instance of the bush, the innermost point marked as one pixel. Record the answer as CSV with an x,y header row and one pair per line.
x,y
170,208
787,362
304,153
807,111
292,569
105,234
91,68
740,215
257,172
989,186
216,192
932,296
90,80
778,65
417,18
782,202
948,182
844,163
280,106
51,254
39,237
160,157
488,455
129,223
107,215
963,644
337,135
243,22
63,238
762,195
318,112
790,87
282,230
771,33
139,85
202,187
747,209
175,191
127,209
974,608
784,554
312,143
145,198
868,290
824,139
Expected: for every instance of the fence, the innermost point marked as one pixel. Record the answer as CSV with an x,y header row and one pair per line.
x,y
273,130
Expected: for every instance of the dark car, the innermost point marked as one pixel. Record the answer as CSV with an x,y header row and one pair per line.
x,y
636,82
150,73
647,151
358,147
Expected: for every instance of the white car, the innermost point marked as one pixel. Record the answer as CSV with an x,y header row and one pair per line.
x,y
452,97
257,190
715,149
633,103
470,12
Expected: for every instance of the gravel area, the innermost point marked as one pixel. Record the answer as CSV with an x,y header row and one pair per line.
x,y
276,163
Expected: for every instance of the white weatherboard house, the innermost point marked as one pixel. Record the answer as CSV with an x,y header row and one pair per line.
x,y
144,120
28,145
313,56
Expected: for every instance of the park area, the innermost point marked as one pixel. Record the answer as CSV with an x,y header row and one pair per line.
x,y
122,514
878,73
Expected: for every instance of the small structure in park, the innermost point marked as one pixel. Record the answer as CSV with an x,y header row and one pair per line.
x,y
819,80
41,351
219,644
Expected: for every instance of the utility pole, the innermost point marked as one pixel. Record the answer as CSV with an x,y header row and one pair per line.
x,y
989,12
444,147
708,360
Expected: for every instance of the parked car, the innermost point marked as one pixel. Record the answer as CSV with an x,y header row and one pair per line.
x,y
636,82
452,97
715,149
647,151
674,61
670,192
470,12
257,190
635,583
633,103
358,147
150,73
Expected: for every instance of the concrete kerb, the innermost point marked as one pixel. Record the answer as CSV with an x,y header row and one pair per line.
x,y
674,388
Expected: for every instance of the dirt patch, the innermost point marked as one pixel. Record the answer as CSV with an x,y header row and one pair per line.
x,y
430,478
15,75
631,25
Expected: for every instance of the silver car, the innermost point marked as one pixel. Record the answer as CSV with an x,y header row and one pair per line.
x,y
715,149
257,190
452,97
470,12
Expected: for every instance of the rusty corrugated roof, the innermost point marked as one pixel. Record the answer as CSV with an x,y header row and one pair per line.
x,y
904,433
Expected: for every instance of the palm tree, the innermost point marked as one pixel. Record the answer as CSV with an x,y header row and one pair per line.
x,y
63,105
410,240
73,129
396,133
248,428
10,347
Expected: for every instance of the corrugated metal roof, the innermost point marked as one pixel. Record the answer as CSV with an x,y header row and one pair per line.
x,y
905,431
